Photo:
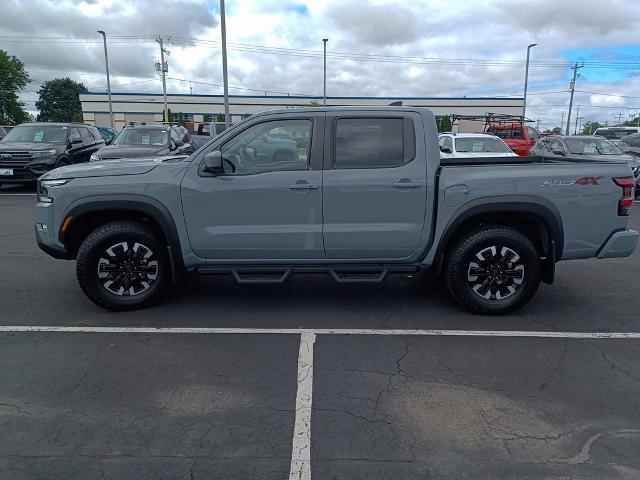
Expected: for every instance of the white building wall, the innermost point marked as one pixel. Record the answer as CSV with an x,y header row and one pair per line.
x,y
149,107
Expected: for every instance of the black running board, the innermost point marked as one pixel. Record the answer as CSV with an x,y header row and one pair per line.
x,y
278,274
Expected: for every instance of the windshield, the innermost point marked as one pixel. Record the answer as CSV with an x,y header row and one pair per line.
x,y
592,146
141,137
614,134
37,134
481,145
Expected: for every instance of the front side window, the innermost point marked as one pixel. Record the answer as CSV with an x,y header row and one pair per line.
x,y
86,136
141,137
481,145
281,145
556,146
533,134
175,136
36,134
373,142
74,135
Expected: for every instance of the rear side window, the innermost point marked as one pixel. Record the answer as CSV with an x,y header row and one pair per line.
x,y
506,133
86,136
374,142
533,134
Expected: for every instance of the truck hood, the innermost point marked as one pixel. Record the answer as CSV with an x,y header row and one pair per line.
x,y
136,166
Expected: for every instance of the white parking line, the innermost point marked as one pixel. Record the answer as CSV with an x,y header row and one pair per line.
x,y
301,448
322,331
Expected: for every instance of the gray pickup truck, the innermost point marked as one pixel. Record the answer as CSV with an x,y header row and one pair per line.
x,y
356,193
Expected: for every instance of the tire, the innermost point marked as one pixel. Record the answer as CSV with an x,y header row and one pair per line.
x,y
493,270
122,266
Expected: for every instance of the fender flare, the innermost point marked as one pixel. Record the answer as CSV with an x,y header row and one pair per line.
x,y
511,204
146,206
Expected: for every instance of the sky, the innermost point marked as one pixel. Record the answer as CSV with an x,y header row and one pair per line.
x,y
399,48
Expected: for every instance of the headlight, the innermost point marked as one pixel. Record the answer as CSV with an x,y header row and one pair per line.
x,y
94,158
43,153
44,189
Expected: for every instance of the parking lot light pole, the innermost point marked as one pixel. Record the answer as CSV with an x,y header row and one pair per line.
x,y
324,94
526,81
106,62
223,29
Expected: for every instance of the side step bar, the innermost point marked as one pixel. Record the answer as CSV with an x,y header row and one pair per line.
x,y
340,273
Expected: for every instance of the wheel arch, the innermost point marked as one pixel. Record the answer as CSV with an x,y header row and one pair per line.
x,y
537,218
90,214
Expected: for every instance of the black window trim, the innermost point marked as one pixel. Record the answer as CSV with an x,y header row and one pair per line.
x,y
404,117
314,121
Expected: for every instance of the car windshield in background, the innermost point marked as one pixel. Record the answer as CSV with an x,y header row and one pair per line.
x,y
614,134
592,146
481,145
141,137
37,134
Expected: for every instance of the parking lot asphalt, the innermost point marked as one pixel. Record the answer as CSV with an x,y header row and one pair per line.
x,y
145,405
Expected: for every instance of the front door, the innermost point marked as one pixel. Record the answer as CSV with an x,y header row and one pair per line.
x,y
374,187
268,203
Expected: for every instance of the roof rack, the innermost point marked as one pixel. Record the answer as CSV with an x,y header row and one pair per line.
x,y
493,119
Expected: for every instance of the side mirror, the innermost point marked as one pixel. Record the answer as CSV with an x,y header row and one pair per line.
x,y
445,149
213,162
108,142
557,151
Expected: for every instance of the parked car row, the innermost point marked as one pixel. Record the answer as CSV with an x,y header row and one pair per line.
x,y
32,149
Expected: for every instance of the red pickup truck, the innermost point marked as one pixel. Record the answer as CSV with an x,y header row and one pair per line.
x,y
520,138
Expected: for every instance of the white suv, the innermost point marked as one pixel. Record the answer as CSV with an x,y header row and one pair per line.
x,y
458,145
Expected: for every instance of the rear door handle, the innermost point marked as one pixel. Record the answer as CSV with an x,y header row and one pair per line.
x,y
407,184
303,186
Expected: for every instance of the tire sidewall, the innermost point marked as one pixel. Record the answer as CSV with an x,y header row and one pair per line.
x,y
96,249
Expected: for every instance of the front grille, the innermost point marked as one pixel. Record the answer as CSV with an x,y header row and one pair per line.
x,y
18,159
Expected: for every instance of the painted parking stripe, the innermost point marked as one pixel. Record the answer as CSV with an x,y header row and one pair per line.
x,y
301,447
322,331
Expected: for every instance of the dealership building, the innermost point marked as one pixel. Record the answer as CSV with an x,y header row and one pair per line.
x,y
148,107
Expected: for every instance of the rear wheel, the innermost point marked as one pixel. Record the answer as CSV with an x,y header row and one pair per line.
x,y
122,266
493,270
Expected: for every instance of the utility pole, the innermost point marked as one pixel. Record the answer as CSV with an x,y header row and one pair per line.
x,y
526,81
572,86
575,130
538,125
324,95
164,68
223,29
562,122
106,63
619,117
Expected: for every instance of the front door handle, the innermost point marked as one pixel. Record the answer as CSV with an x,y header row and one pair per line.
x,y
406,184
303,186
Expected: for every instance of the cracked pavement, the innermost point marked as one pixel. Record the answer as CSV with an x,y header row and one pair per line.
x,y
83,406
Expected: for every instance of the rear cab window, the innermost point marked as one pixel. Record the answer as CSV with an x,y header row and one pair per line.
x,y
373,142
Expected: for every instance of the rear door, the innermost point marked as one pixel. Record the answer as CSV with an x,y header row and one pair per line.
x,y
76,146
268,204
374,186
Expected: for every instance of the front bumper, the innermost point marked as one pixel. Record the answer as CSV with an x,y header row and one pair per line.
x,y
46,232
619,244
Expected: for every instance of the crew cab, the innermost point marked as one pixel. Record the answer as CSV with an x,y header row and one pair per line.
x,y
365,195
520,138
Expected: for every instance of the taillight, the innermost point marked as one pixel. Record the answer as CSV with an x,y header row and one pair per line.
x,y
625,203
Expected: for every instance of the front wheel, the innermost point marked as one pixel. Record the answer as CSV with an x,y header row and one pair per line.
x,y
493,270
122,266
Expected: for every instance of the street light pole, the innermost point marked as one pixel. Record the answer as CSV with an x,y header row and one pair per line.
x,y
223,29
324,94
164,71
526,81
106,63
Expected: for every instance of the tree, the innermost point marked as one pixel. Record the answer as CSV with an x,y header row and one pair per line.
x,y
181,119
220,117
13,78
207,118
589,127
634,122
59,101
444,125
313,103
556,131
169,114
